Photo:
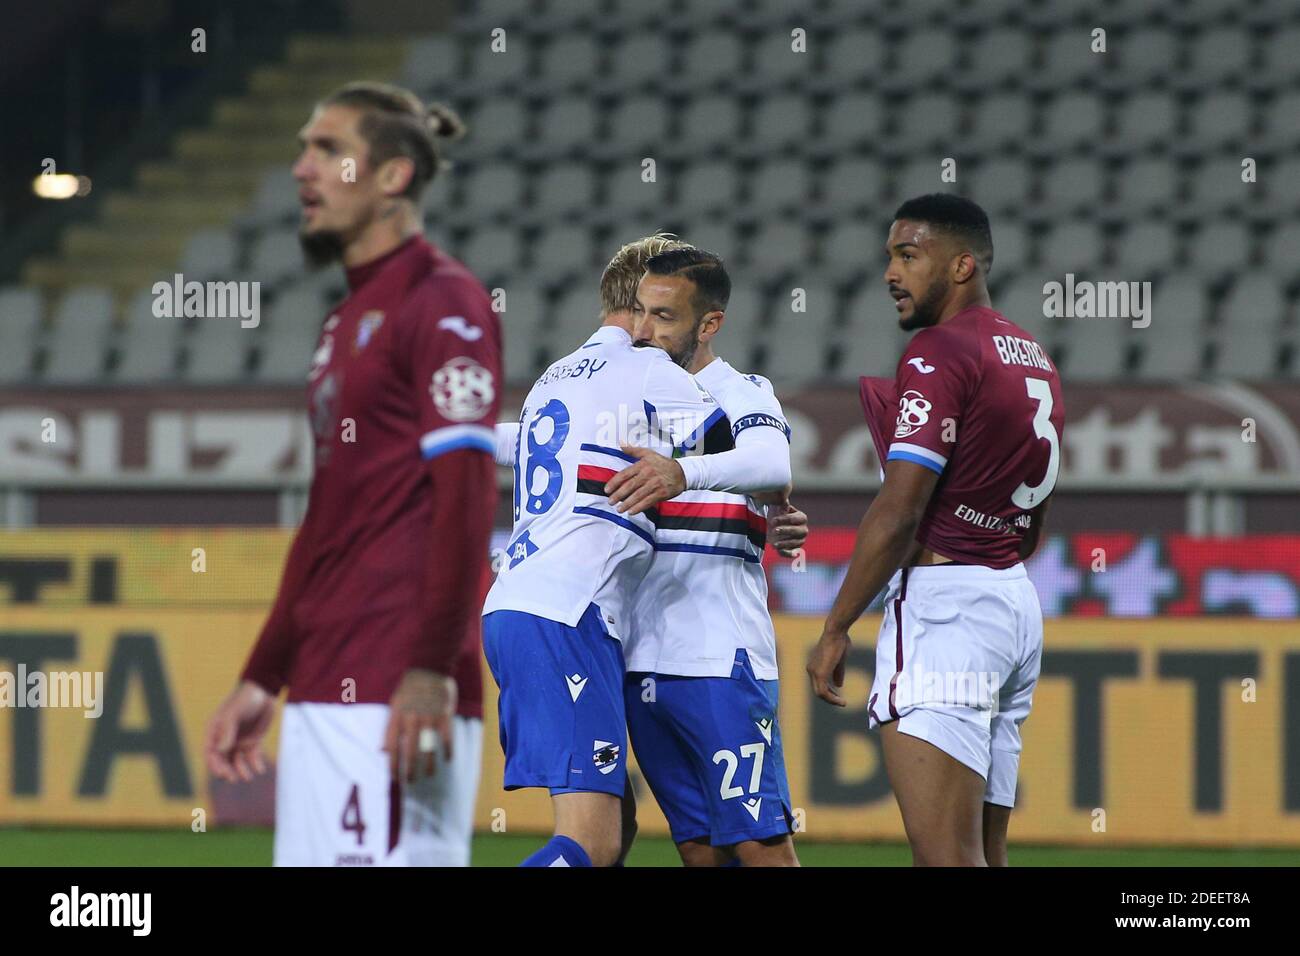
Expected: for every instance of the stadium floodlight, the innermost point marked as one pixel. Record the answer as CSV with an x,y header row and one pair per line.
x,y
61,186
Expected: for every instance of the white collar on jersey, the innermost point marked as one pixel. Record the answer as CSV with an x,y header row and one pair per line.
x,y
609,334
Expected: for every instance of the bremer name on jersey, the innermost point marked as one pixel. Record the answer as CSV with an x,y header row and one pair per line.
x,y
977,400
407,371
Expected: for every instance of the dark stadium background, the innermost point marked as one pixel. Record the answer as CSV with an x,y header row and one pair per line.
x,y
781,136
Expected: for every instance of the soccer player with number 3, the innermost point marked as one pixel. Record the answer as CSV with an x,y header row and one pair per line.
x,y
970,436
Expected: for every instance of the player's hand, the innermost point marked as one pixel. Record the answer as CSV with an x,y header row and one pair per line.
x,y
419,719
639,487
233,746
826,666
787,529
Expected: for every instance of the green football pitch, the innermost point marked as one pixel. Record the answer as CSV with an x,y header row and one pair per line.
x,y
252,847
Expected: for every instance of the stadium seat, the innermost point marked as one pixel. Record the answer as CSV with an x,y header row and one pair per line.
x,y
276,199
708,186
20,318
1000,121
1216,188
1220,247
1282,247
1074,245
710,123
635,63
562,189
492,251
78,341
639,123
920,177
1282,57
275,257
798,343
292,330
1068,60
1094,349
1145,187
493,189
576,317
497,124
781,186
854,183
1071,187
147,346
928,55
209,254
996,58
628,193
523,329
1277,120
1220,55
1145,57
431,64
781,121
1022,301
852,121
1279,187
1144,248
925,121
217,351
1001,186
712,58
1220,120
566,125
570,61
1146,120
1071,123
493,71
779,64
1246,353
852,250
1255,302
1010,248
1172,347
871,342
561,250
852,57
780,247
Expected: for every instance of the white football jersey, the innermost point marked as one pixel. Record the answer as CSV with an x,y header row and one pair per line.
x,y
570,547
705,594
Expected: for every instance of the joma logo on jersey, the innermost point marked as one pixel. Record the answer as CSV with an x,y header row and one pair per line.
x,y
913,413
366,328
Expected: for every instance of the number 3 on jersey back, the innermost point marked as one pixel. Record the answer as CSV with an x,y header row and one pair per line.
x,y
551,421
1027,496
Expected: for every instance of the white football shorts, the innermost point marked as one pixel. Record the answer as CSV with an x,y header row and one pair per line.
x,y
957,660
337,805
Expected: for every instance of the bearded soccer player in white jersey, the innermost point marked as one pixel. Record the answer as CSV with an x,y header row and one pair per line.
x,y
701,687
582,541
970,434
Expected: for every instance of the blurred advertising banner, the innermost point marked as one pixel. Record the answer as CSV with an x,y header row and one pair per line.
x,y
1113,432
1168,730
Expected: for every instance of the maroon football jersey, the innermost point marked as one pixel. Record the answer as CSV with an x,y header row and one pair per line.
x,y
407,370
978,401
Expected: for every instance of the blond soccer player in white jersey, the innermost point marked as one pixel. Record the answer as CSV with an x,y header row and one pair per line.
x,y
554,618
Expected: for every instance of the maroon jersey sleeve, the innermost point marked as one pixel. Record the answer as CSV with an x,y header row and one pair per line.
x,y
935,380
268,664
450,339
879,404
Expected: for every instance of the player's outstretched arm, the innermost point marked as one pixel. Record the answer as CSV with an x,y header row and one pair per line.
x,y
233,745
884,540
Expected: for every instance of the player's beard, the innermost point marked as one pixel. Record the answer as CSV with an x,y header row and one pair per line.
x,y
322,247
925,312
685,354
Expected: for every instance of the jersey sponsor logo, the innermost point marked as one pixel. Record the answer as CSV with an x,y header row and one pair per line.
x,y
605,755
366,328
913,413
521,549
462,390
919,364
457,324
576,683
753,805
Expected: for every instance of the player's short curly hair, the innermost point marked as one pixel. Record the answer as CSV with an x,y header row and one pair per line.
x,y
621,277
959,217
396,122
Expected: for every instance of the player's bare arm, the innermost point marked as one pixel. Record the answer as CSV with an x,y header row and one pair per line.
x,y
884,539
234,738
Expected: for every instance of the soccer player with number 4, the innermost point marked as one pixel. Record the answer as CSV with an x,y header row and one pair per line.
x,y
970,436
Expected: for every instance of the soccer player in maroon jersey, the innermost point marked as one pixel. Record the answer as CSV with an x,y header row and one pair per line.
x,y
375,631
969,432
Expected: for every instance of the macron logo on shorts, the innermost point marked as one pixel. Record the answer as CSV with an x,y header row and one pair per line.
x,y
765,728
753,805
576,684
